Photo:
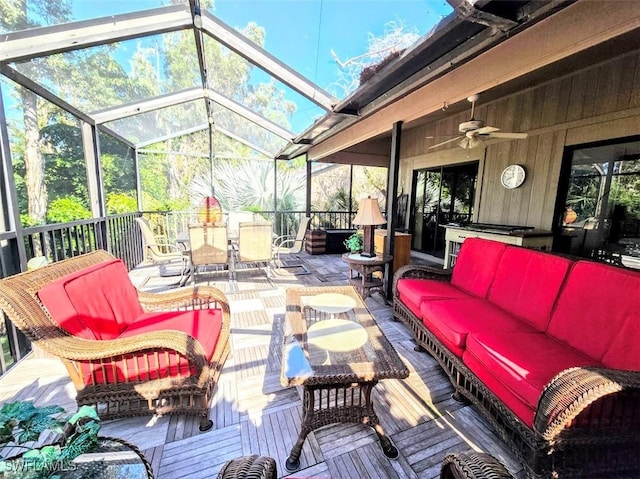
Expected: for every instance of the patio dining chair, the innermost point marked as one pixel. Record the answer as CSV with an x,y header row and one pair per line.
x,y
208,245
233,220
254,244
163,254
291,245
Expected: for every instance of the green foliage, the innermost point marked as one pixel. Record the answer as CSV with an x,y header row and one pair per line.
x,y
118,203
355,242
64,210
23,423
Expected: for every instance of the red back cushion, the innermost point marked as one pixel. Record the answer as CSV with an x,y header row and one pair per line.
x,y
97,302
527,283
476,265
598,313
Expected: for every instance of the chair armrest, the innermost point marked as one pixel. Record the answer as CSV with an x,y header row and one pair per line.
x,y
196,297
280,240
73,348
420,272
589,398
168,247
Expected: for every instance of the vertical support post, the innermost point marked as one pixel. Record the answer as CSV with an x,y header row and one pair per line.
x,y
91,147
307,208
9,213
275,200
350,195
136,167
392,207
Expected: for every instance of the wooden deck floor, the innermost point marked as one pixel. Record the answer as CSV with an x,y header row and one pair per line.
x,y
254,414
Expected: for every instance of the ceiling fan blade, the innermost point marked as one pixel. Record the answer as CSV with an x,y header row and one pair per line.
x,y
511,136
445,142
484,130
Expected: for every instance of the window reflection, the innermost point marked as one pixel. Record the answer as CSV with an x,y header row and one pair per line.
x,y
602,208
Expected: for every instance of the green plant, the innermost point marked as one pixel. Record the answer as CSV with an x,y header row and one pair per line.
x,y
22,425
355,242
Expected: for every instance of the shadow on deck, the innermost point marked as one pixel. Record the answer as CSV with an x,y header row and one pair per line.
x,y
254,414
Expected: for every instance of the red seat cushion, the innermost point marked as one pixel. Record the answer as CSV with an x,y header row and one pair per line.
x,y
204,325
412,292
598,313
97,302
527,283
476,265
523,362
452,320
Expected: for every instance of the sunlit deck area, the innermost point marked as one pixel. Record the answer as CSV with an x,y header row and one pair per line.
x,y
254,414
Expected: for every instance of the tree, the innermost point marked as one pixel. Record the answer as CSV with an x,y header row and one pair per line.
x,y
20,15
381,50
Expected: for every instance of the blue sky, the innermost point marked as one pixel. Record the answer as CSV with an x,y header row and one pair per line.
x,y
302,33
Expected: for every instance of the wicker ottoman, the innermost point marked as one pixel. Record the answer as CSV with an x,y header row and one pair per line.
x,y
249,467
473,465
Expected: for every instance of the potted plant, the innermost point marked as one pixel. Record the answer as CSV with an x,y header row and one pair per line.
x,y
355,242
22,425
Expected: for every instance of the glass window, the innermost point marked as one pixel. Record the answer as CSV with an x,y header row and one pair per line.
x,y
602,207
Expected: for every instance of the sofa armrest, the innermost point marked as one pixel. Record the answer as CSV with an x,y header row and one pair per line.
x,y
196,297
420,272
589,397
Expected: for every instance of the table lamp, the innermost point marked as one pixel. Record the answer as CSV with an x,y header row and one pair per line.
x,y
368,216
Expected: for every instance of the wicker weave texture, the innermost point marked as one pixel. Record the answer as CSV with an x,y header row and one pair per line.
x,y
123,398
249,467
473,465
587,423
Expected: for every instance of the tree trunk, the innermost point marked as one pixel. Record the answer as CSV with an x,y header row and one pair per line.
x,y
34,164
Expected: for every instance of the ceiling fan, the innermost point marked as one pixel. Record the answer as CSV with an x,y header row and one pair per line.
x,y
474,132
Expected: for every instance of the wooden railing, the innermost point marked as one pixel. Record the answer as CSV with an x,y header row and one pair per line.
x,y
120,235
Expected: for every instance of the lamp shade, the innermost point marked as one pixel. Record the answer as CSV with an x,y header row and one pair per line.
x,y
210,211
369,213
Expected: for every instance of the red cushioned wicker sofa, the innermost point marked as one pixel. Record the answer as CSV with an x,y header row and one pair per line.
x,y
547,348
127,352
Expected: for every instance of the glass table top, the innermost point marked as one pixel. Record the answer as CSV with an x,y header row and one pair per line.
x,y
330,336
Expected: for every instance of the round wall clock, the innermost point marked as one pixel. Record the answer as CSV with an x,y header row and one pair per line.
x,y
512,176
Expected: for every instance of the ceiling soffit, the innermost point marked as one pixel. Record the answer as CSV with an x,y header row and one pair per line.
x,y
592,24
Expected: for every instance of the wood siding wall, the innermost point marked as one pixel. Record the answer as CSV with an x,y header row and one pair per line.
x,y
598,103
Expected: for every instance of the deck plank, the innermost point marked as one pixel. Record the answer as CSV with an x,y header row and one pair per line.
x,y
254,414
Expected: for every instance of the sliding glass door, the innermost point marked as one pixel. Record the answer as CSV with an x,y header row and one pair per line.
x,y
598,209
440,195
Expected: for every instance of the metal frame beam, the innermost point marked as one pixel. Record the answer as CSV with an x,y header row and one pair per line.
x,y
42,92
264,60
203,127
253,117
38,42
183,96
144,106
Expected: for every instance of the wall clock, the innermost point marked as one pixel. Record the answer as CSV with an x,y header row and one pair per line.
x,y
512,176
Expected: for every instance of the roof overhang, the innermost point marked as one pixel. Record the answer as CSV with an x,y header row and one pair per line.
x,y
474,28
512,63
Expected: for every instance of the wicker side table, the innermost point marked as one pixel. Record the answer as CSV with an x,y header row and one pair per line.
x,y
473,465
364,279
249,467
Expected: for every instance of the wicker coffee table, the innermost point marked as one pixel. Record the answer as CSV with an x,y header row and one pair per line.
x,y
336,351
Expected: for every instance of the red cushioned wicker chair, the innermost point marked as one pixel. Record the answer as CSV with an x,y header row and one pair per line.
x,y
127,352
